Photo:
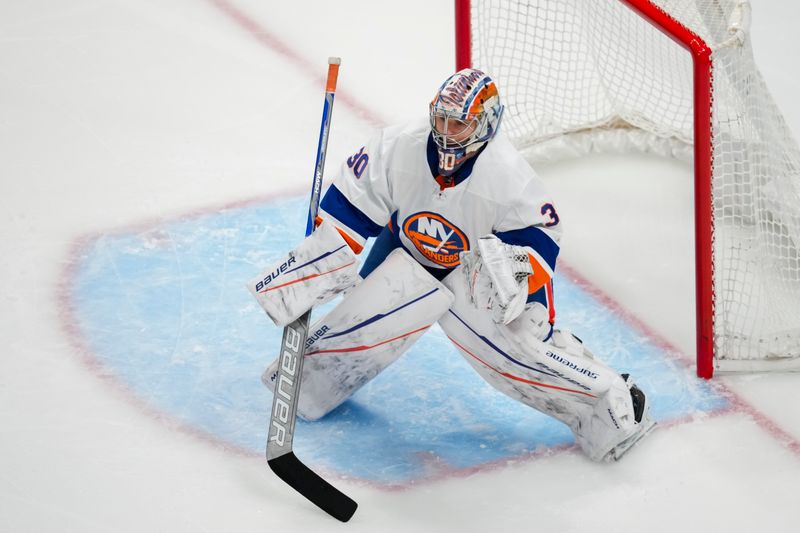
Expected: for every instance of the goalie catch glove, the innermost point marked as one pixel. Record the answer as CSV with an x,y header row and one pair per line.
x,y
497,277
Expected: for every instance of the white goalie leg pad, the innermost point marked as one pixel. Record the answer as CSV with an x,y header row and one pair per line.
x,y
322,266
373,325
560,379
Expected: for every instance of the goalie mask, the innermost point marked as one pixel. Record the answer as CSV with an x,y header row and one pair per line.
x,y
464,115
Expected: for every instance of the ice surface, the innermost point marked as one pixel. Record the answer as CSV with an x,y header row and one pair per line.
x,y
153,155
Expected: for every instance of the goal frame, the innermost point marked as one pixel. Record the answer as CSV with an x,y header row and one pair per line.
x,y
703,160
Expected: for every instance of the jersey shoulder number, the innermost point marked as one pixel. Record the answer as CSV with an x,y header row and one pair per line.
x,y
358,162
549,211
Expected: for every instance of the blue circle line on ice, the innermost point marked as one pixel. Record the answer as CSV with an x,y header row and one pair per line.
x,y
165,310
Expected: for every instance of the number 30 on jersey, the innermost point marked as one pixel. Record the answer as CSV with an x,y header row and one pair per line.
x,y
446,161
358,162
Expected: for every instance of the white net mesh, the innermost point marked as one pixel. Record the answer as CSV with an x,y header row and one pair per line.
x,y
580,76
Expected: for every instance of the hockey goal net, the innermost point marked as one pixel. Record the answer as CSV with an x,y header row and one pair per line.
x,y
676,77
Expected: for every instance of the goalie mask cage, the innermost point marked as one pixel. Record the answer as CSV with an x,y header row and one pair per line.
x,y
674,77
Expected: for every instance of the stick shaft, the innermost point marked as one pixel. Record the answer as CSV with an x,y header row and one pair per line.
x,y
322,145
280,456
287,386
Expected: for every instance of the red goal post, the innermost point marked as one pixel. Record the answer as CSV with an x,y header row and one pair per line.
x,y
743,154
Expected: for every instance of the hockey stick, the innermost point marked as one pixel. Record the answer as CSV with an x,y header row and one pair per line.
x,y
280,457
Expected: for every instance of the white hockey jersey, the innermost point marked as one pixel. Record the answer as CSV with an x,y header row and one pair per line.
x,y
393,181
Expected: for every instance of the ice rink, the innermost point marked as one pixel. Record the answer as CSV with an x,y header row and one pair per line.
x,y
156,155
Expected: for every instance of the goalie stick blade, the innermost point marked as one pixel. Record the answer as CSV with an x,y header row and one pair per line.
x,y
305,481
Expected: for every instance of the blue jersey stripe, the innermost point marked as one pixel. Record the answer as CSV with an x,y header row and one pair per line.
x,y
337,204
539,296
536,239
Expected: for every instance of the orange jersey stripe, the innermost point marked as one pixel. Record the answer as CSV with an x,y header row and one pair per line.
x,y
539,278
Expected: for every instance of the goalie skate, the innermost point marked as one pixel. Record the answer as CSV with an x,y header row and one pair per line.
x,y
644,424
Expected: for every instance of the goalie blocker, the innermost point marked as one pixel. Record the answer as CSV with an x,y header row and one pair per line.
x,y
322,266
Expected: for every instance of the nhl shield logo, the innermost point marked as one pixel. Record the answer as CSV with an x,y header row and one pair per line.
x,y
436,238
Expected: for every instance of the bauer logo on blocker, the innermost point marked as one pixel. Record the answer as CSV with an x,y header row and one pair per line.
x,y
436,238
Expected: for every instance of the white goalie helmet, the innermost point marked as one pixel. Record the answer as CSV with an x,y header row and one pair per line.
x,y
464,116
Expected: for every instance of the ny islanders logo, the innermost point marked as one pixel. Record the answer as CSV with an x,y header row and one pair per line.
x,y
436,238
